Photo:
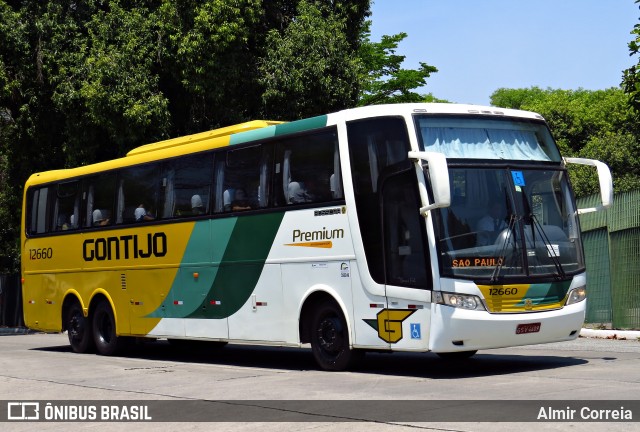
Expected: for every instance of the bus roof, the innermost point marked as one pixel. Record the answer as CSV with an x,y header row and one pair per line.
x,y
436,108
190,139
262,129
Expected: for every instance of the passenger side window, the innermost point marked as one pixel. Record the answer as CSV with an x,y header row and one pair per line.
x,y
187,186
37,212
100,192
138,194
66,207
242,179
308,169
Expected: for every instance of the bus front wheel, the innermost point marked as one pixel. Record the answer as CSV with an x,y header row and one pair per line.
x,y
78,329
104,330
330,339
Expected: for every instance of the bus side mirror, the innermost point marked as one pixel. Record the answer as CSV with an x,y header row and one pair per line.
x,y
604,178
439,175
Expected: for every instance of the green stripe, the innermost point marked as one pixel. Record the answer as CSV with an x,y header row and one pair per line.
x,y
277,130
241,266
228,255
253,135
301,125
207,244
547,293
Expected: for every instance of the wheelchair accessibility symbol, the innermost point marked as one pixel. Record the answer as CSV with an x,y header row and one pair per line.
x,y
415,331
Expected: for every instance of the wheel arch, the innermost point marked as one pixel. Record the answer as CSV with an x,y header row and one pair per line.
x,y
70,297
100,295
313,298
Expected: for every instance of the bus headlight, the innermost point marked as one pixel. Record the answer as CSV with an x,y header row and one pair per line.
x,y
576,295
461,301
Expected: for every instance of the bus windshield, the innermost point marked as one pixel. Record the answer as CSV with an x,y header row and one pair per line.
x,y
487,138
509,223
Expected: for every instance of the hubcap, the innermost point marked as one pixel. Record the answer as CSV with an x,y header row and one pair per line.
x,y
329,334
76,326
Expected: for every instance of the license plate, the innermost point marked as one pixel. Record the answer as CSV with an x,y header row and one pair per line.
x,y
528,328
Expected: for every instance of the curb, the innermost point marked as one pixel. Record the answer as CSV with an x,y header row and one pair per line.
x,y
5,331
610,334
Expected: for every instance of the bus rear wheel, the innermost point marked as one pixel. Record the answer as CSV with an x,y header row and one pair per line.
x,y
78,329
330,339
104,330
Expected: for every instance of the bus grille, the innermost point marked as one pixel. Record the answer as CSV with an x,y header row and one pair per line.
x,y
520,298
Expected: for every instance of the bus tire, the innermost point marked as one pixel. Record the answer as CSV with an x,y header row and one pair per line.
x,y
104,330
457,355
78,329
330,339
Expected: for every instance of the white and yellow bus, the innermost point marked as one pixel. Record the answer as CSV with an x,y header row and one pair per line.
x,y
413,227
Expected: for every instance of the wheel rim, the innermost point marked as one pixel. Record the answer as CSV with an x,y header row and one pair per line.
x,y
77,325
330,335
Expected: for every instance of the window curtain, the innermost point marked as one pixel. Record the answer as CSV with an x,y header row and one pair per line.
x,y
169,194
483,143
219,184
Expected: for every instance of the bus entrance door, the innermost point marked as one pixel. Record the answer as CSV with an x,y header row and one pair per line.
x,y
406,263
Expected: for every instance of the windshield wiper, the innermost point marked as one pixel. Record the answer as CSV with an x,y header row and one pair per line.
x,y
551,251
537,226
501,256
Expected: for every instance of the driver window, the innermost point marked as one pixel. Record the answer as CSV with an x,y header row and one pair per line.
x,y
404,235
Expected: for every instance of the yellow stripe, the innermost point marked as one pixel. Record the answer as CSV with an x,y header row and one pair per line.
x,y
318,244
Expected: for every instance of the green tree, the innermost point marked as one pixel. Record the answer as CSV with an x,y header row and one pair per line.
x,y
107,86
631,76
620,151
86,81
382,78
207,69
312,56
594,124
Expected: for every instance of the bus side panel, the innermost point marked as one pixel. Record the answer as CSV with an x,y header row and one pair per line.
x,y
367,308
314,248
51,267
222,275
139,293
42,302
136,267
411,318
301,280
261,318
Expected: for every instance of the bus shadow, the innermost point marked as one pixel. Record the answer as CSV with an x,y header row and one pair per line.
x,y
419,365
483,364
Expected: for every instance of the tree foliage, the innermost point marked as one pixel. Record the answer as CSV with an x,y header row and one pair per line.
x,y
312,56
382,78
592,124
631,76
88,80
